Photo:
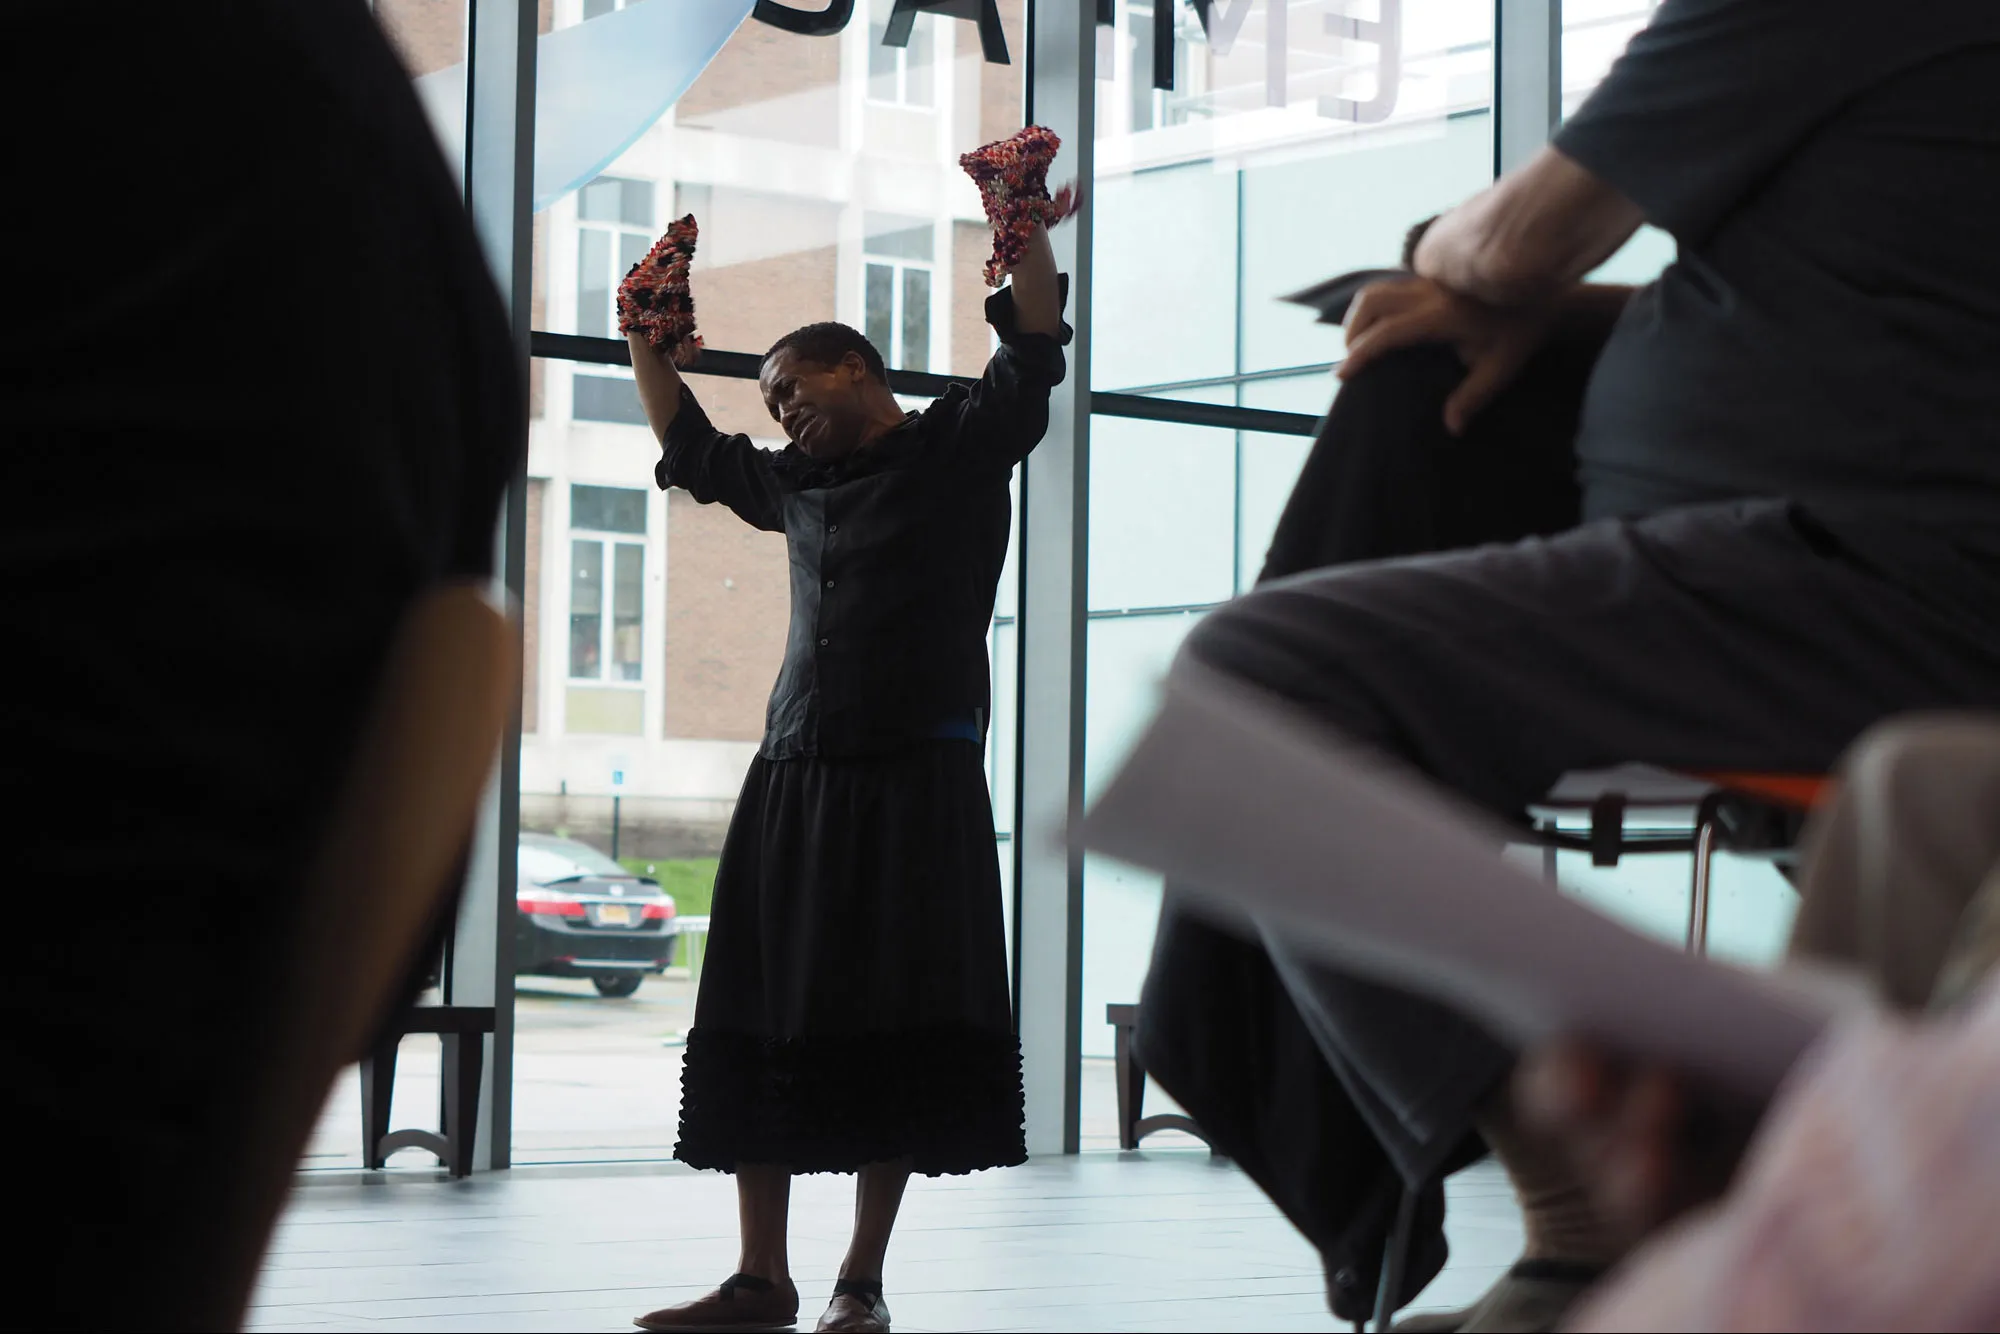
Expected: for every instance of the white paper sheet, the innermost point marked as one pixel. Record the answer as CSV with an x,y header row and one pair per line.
x,y
1239,800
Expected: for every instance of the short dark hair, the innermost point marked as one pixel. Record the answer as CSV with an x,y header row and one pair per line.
x,y
827,344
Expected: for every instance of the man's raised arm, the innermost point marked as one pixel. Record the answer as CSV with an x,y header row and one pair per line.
x,y
1037,290
659,384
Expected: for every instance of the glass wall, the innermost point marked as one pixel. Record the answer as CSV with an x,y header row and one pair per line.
x,y
823,171
1257,147
1594,35
1297,142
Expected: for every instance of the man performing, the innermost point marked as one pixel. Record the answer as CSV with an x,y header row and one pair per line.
x,y
854,1012
1787,528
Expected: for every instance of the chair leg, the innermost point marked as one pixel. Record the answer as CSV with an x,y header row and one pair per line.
x,y
1395,1261
378,1093
1707,820
1131,1087
464,1063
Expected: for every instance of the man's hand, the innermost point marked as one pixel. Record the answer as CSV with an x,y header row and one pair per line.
x,y
1648,1145
1493,343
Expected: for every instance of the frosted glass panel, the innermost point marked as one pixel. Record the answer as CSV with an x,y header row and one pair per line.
x,y
1285,152
1164,282
1305,221
1129,656
1162,514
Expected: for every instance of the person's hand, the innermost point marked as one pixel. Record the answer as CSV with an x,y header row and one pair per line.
x,y
1648,1144
654,300
1404,312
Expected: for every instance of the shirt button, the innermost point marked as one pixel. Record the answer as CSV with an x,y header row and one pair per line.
x,y
829,583
833,528
822,643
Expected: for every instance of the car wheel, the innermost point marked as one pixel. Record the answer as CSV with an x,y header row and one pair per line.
x,y
623,984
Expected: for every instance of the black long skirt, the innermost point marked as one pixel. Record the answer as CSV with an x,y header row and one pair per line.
x,y
854,1005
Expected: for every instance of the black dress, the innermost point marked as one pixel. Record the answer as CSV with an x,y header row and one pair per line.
x,y
854,1003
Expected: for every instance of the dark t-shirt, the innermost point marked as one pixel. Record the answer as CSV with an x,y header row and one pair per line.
x,y
1831,330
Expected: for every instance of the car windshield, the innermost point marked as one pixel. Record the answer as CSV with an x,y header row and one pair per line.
x,y
546,862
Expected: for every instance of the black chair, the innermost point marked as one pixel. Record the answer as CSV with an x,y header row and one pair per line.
x,y
462,1029
1133,1124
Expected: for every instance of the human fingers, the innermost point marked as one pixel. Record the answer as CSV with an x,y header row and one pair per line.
x,y
1378,300
1641,1157
1562,1085
1408,327
1595,1107
1485,376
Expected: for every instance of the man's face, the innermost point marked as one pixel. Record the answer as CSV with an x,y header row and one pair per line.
x,y
821,409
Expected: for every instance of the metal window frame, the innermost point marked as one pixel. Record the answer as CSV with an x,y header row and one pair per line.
x,y
499,193
724,365
1527,79
1052,616
1050,637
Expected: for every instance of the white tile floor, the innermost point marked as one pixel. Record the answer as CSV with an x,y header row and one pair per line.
x,y
1157,1240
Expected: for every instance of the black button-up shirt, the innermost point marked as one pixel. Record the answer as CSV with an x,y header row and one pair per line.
x,y
896,551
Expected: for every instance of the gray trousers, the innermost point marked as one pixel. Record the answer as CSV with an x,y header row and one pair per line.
x,y
1754,635
1735,636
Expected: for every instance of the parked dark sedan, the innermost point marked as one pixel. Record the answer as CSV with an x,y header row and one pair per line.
x,y
583,915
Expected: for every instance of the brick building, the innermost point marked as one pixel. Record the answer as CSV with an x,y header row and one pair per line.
x,y
824,172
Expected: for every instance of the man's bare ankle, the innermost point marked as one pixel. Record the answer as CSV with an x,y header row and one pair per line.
x,y
775,1271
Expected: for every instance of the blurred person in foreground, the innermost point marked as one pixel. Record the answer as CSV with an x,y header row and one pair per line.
x,y
1725,521
854,1013
259,395
1868,1196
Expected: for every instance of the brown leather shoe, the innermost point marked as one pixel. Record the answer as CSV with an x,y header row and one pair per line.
x,y
857,1308
743,1302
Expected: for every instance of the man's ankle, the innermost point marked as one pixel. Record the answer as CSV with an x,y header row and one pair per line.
x,y
775,1270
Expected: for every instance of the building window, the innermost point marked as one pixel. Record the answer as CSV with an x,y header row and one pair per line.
x,y
602,396
901,76
615,229
595,9
696,198
896,290
607,582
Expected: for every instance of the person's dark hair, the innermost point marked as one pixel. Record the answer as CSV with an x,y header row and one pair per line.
x,y
828,344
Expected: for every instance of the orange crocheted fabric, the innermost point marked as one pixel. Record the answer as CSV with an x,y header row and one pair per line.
x,y
654,299
1012,175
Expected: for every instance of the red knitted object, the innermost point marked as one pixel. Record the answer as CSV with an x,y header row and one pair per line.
x,y
654,299
1012,175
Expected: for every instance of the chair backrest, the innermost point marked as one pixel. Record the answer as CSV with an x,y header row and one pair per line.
x,y
384,874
